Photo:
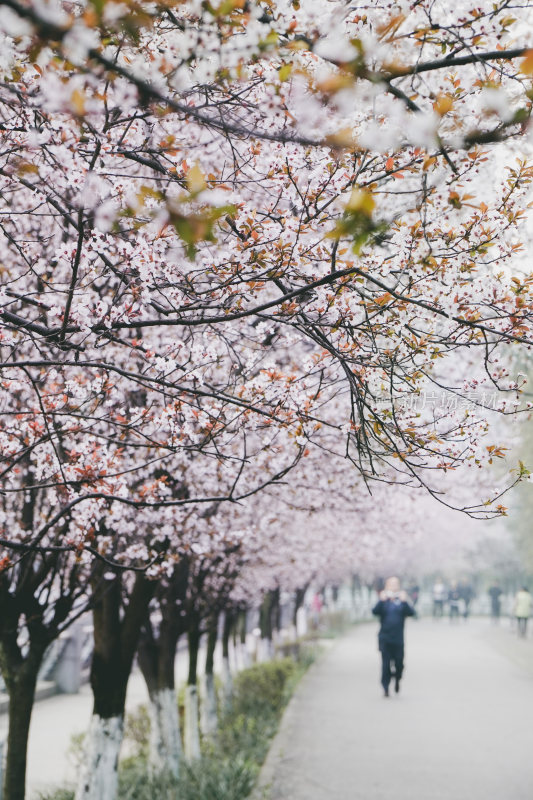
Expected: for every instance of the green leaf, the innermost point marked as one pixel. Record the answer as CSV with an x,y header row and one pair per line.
x,y
284,72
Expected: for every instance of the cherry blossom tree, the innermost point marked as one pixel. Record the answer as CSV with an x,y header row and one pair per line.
x,y
189,603
41,595
372,257
232,235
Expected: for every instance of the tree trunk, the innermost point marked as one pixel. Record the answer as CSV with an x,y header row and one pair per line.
x,y
354,588
243,616
276,610
21,688
99,779
265,616
115,642
265,624
193,638
245,654
165,749
208,718
109,680
156,655
227,683
156,660
192,730
21,610
298,602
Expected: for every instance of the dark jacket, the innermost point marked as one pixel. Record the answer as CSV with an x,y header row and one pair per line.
x,y
392,614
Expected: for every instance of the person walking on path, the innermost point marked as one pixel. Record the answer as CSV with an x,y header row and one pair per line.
x,y
392,608
454,601
522,610
467,593
316,609
495,602
439,595
414,594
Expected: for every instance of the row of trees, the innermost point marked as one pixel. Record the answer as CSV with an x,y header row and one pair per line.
x,y
257,260
223,566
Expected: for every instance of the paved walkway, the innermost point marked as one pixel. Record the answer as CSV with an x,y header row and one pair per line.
x,y
461,728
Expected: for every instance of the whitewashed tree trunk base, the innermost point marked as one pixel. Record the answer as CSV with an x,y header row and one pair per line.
x,y
192,730
208,718
99,776
165,748
301,622
227,680
246,657
266,650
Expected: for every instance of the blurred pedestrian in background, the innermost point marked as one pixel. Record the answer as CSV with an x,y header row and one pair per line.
x,y
495,594
392,609
414,593
466,591
439,596
316,609
454,600
522,610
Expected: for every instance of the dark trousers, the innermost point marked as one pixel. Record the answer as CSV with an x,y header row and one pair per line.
x,y
454,611
522,625
391,655
438,608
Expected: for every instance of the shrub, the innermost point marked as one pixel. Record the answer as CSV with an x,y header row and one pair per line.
x,y
262,689
56,794
213,778
137,732
229,766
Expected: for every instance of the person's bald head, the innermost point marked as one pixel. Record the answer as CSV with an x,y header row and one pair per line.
x,y
392,584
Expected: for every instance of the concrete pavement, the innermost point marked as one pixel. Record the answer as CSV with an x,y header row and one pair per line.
x,y
461,728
